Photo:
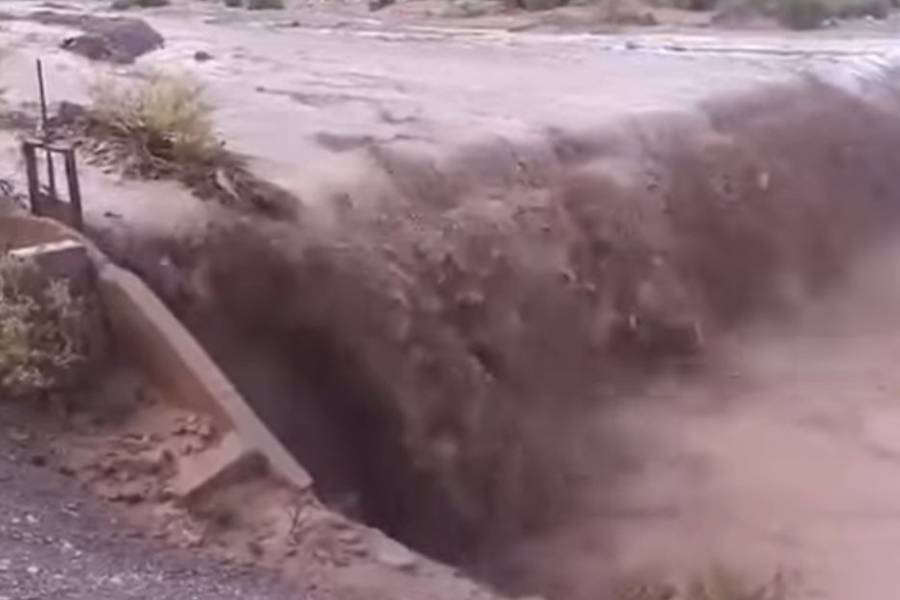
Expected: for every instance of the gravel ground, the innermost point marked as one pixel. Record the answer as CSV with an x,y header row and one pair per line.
x,y
58,543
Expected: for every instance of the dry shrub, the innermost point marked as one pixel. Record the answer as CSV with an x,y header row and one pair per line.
x,y
722,583
165,116
716,583
42,331
802,15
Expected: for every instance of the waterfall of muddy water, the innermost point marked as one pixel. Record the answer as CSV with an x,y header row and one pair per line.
x,y
489,361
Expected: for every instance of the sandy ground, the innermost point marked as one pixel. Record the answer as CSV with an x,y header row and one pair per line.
x,y
58,541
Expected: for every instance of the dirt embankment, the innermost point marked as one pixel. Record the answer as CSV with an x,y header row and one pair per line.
x,y
430,346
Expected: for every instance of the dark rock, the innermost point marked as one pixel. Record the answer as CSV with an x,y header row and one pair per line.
x,y
379,4
70,112
120,40
536,5
201,56
264,4
90,46
129,4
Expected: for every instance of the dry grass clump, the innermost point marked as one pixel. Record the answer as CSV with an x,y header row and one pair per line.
x,y
715,583
164,118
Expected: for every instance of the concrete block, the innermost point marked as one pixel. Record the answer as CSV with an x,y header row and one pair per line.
x,y
228,463
167,353
63,259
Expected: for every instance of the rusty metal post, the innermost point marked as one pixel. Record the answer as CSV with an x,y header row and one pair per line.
x,y
29,151
74,189
45,131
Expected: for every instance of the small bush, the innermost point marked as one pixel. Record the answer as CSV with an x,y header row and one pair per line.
x,y
716,583
43,334
165,116
877,9
802,15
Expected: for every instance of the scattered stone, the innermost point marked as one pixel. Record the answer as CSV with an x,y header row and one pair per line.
x,y
189,448
536,5
33,570
264,4
392,554
255,548
19,436
166,495
129,4
193,539
126,495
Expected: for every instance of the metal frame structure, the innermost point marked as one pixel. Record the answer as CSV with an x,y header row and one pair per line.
x,y
44,200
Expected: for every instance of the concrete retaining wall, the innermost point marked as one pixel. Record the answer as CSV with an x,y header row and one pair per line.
x,y
157,344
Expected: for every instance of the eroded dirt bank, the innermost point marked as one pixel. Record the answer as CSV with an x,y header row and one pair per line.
x,y
440,347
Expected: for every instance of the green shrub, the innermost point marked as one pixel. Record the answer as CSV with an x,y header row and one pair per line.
x,y
43,335
802,15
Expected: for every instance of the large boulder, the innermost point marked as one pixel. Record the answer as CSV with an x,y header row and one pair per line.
x,y
120,40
